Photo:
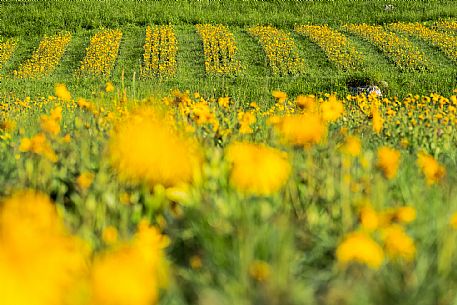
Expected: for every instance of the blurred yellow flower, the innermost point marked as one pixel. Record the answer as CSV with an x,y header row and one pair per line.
x,y
281,96
306,103
62,92
352,146
84,180
302,130
259,270
369,218
432,169
388,161
257,169
397,243
405,214
146,148
39,261
133,273
360,247
332,109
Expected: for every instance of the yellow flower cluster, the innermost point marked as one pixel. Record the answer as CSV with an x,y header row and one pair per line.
x,y
280,49
41,143
446,43
6,51
360,246
219,48
160,48
101,54
45,58
41,263
400,50
336,46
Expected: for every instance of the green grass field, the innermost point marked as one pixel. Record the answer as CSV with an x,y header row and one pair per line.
x,y
243,187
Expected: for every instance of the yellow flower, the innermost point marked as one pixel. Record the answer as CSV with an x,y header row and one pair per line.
x,y
360,247
397,243
332,109
84,180
37,255
388,161
281,96
146,148
432,169
109,87
259,270
405,214
131,274
352,146
257,169
369,219
62,92
302,130
307,103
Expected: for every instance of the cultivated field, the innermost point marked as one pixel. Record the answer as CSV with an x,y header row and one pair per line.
x,y
182,152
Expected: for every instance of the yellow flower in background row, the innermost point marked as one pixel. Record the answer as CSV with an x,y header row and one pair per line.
x,y
62,92
397,243
40,263
361,248
432,169
302,130
257,169
145,148
332,109
388,161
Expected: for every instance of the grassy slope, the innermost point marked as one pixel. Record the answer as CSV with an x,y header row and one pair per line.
x,y
29,21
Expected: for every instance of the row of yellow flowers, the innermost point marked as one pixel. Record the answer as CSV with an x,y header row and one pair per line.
x,y
400,50
160,48
101,54
219,48
446,43
448,25
336,46
280,49
45,58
